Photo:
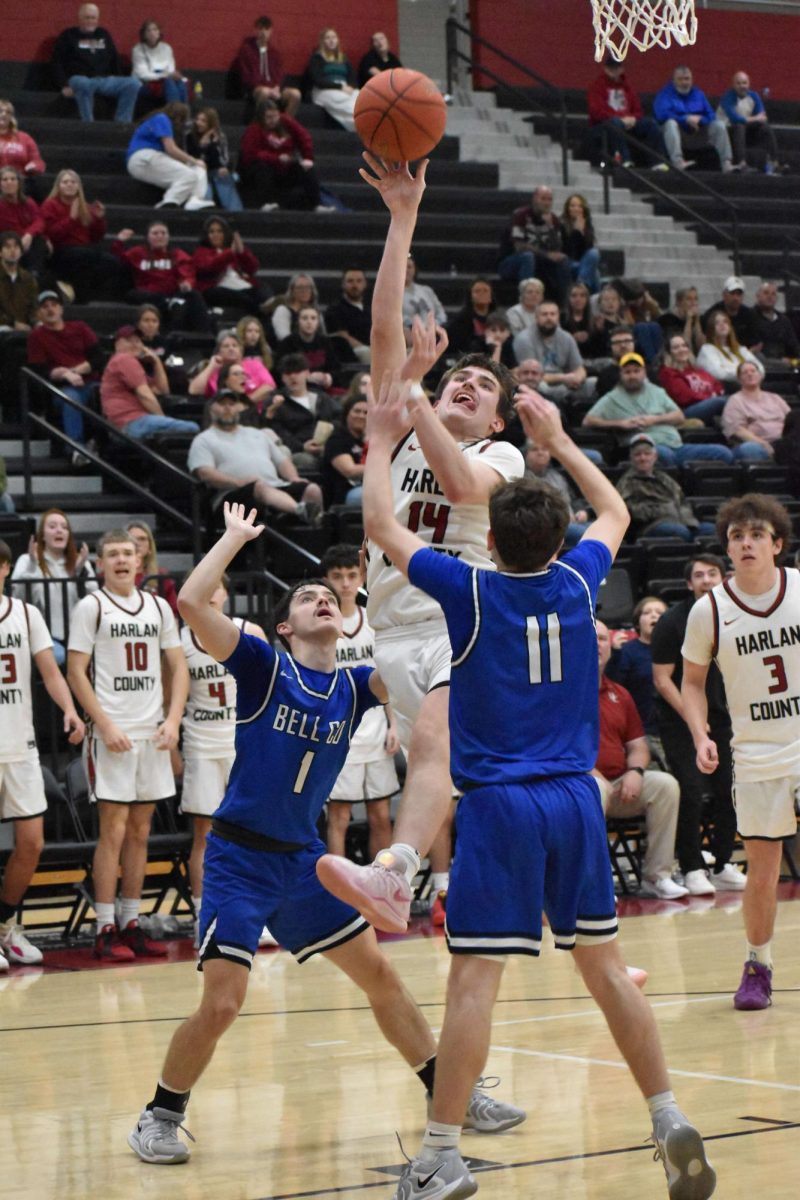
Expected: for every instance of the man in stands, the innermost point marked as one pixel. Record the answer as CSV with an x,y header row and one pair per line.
x,y
615,107
85,63
129,398
654,499
261,70
164,276
557,351
776,339
688,121
739,314
534,246
295,409
67,354
742,110
350,317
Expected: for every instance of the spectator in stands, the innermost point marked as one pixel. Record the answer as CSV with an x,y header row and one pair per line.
x,y
261,70
684,318
7,504
358,385
276,159
630,789
148,326
85,64
207,142
237,461
632,665
752,419
20,214
67,354
702,572
378,58
226,271
522,316
739,314
579,241
150,575
295,411
155,156
343,455
350,317
539,465
419,300
742,111
534,246
18,288
498,340
694,390
688,121
722,354
466,329
558,352
655,500
642,312
18,149
76,230
309,339
163,276
333,79
577,320
636,405
776,340
621,341
129,401
616,108
300,291
153,64
54,554
250,332
229,352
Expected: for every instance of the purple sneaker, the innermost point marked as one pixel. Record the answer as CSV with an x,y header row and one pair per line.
x,y
755,990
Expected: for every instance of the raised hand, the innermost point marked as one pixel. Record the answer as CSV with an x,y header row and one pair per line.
x,y
540,418
428,343
400,190
244,526
388,415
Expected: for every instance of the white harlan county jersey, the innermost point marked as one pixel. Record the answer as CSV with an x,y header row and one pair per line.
x,y
23,633
356,648
455,529
125,637
209,722
756,644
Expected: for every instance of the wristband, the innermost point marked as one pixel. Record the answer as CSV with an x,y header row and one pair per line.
x,y
638,770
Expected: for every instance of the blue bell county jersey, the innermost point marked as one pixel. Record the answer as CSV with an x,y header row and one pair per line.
x,y
293,731
524,684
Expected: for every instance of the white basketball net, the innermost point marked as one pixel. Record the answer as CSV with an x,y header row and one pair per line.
x,y
620,24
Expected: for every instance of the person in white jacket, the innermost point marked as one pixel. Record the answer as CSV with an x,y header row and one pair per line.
x,y
721,355
154,63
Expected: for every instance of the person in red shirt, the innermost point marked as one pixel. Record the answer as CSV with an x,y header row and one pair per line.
x,y
19,214
226,270
694,390
628,788
276,161
67,354
615,108
129,398
17,149
164,276
76,230
261,70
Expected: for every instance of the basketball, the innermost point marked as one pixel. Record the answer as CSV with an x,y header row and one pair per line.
x,y
400,115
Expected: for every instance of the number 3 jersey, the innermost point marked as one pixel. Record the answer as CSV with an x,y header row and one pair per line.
x,y
125,637
458,530
23,634
755,641
209,723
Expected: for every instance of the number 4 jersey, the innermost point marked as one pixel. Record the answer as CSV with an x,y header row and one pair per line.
x,y
458,530
209,723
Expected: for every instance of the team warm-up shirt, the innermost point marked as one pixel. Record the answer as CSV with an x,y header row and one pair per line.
x,y
23,633
755,641
357,648
457,530
293,732
125,637
524,658
209,722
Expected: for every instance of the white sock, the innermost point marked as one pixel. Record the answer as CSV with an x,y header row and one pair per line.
x,y
105,914
660,1102
438,1137
440,881
128,911
197,902
760,954
400,857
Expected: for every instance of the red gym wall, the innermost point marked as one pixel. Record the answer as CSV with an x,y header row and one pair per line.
x,y
205,34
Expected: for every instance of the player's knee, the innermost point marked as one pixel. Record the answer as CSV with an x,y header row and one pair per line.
x,y
219,1012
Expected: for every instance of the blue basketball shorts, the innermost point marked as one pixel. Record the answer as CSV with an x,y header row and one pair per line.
x,y
523,849
244,890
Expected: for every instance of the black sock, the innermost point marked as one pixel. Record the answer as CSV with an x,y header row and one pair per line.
x,y
426,1074
172,1101
6,912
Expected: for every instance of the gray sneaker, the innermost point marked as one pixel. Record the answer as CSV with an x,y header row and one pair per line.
x,y
447,1176
486,1115
690,1175
155,1138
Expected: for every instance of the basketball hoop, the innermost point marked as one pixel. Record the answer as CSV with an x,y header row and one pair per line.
x,y
620,24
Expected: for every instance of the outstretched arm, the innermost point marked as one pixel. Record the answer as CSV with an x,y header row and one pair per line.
x,y
387,419
216,632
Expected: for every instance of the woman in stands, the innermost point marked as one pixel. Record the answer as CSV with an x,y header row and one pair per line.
x,y
155,156
153,64
579,242
722,355
377,59
522,316
19,214
54,554
259,382
333,79
344,453
692,388
250,332
300,291
150,575
76,230
18,149
419,300
206,140
225,269
276,158
163,276
632,664
309,339
467,329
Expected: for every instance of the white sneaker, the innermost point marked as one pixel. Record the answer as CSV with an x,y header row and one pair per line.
x,y
729,879
193,205
697,883
155,1138
326,208
663,889
16,947
266,938
268,207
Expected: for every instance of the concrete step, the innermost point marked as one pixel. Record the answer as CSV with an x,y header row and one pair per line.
x,y
95,523
178,564
46,485
13,448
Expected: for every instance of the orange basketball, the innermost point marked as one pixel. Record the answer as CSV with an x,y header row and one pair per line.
x,y
400,115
